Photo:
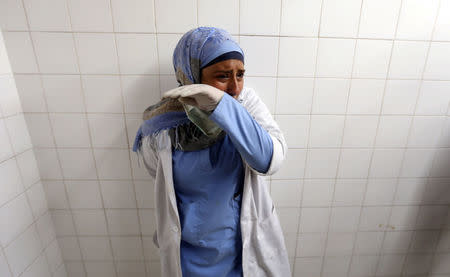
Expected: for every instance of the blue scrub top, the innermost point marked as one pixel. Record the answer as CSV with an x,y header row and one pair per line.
x,y
208,186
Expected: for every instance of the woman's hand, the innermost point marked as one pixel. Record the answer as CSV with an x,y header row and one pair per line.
x,y
205,97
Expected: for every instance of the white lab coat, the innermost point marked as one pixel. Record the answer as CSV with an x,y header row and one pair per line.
x,y
264,252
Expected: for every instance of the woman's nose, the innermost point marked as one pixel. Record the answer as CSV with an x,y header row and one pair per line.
x,y
233,86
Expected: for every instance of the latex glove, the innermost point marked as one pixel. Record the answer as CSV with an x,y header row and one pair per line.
x,y
204,97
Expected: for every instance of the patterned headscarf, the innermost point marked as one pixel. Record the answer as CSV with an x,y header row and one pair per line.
x,y
198,48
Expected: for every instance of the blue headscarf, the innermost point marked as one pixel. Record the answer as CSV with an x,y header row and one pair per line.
x,y
197,48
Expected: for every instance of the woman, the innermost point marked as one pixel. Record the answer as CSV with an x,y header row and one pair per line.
x,y
214,214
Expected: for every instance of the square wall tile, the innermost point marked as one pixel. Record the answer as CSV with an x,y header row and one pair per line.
x,y
340,19
417,162
140,92
6,150
15,217
403,217
372,58
288,219
438,61
374,218
48,163
131,269
426,131
265,88
179,20
330,96
113,163
390,265
166,45
393,131
46,230
380,191
410,191
123,221
127,248
90,16
55,52
354,163
133,16
431,217
37,200
322,163
360,130
308,266
335,57
300,18
314,220
286,193
344,219
417,19
340,244
54,257
326,130
63,222
379,18
434,98
95,248
107,130
84,194
418,264
363,266
71,130
397,242
39,129
442,27
260,17
295,129
335,266
386,163
219,14
31,93
48,15
102,94
90,222
22,252
400,96
137,53
96,53
441,160
18,133
9,99
11,181
100,269
293,166
12,16
145,194
63,93
317,192
297,56
311,244
294,95
366,96
118,194
368,242
5,66
261,55
349,192
21,54
408,59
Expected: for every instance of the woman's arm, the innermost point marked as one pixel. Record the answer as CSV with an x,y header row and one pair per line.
x,y
253,131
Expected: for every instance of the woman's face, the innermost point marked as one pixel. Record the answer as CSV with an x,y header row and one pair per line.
x,y
226,75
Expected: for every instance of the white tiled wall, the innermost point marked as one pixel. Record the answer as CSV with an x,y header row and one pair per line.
x,y
28,244
361,89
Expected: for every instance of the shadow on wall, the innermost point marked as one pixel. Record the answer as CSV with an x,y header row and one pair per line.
x,y
423,232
